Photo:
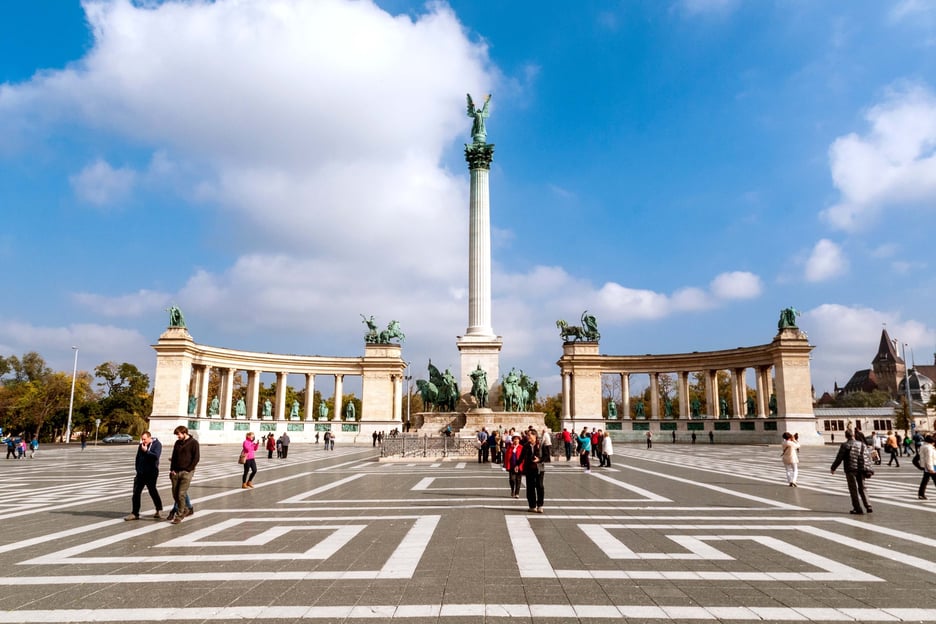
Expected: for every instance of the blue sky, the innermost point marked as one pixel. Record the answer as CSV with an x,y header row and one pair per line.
x,y
683,169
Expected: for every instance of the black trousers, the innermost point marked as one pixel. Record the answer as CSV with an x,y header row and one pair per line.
x,y
856,490
923,483
148,482
535,490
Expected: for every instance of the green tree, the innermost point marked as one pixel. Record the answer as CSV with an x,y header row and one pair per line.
x,y
127,401
551,406
876,398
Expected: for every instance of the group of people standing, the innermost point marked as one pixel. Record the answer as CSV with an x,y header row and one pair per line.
x,y
278,445
588,444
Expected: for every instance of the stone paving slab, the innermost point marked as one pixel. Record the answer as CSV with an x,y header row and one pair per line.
x,y
677,532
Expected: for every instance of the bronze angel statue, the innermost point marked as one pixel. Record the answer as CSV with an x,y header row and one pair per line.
x,y
478,131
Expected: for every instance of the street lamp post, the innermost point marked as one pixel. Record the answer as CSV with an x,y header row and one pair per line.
x,y
408,379
907,386
71,401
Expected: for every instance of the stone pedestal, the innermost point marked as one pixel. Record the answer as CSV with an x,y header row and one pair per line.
x,y
479,350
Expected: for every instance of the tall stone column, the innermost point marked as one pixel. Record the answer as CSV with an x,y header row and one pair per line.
x,y
309,396
253,393
279,410
655,396
227,391
682,382
566,396
479,346
742,393
735,410
339,389
203,391
712,406
625,396
762,398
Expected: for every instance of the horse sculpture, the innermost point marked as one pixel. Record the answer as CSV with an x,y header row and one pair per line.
x,y
513,394
440,390
587,331
393,331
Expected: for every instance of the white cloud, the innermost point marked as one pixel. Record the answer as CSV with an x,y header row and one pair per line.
x,y
101,184
126,306
736,285
847,338
894,164
825,262
96,344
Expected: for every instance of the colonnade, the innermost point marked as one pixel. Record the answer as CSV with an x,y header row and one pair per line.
x,y
781,370
183,369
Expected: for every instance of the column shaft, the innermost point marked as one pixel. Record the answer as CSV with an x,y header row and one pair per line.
x,y
625,396
339,379
655,396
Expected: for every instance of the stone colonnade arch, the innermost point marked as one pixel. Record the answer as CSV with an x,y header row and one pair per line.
x,y
183,368
787,355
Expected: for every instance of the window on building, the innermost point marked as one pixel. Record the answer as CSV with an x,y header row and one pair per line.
x,y
882,425
833,425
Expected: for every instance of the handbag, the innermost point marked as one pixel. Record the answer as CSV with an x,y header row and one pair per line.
x,y
243,457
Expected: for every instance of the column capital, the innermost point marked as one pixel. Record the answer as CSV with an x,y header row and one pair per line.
x,y
479,155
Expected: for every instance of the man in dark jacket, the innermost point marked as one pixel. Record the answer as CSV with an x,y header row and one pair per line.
x,y
855,458
147,473
185,457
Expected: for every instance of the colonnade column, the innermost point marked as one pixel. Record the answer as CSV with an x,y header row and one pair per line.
x,y
253,393
711,394
760,373
227,391
742,393
204,399
566,395
655,396
625,396
339,379
682,384
309,396
195,385
279,410
734,393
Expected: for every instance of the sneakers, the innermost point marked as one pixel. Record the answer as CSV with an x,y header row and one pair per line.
x,y
922,497
132,517
176,520
856,512
539,510
157,515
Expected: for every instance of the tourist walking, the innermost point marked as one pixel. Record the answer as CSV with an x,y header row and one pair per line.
x,y
482,445
250,460
513,466
146,465
790,455
607,450
584,441
854,458
286,441
534,470
185,456
271,445
928,462
33,447
567,443
892,448
650,438
546,441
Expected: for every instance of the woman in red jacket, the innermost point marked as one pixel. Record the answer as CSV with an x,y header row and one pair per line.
x,y
270,446
513,465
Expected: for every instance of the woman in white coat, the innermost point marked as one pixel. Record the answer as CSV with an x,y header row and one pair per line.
x,y
790,456
607,450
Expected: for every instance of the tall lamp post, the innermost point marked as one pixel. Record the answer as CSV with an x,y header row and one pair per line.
x,y
408,379
71,401
907,386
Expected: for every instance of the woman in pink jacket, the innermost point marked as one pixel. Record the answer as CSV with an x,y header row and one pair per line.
x,y
250,461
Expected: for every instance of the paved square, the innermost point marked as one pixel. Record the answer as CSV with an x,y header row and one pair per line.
x,y
679,532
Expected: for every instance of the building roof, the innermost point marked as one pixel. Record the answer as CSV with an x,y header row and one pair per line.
x,y
861,381
854,412
887,352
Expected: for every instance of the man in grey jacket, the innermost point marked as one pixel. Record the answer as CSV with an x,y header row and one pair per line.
x,y
855,458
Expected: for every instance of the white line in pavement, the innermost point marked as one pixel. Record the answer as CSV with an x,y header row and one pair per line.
x,y
302,498
716,488
423,484
647,494
472,610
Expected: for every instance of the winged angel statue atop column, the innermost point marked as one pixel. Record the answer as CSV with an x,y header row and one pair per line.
x,y
478,131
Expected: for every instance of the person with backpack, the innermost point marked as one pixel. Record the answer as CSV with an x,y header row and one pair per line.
x,y
856,459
